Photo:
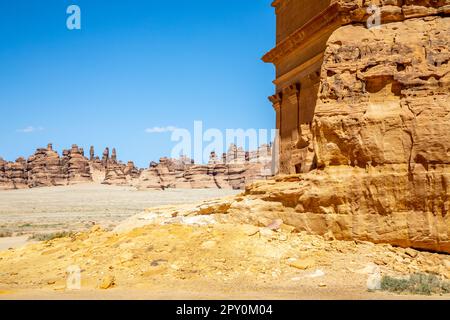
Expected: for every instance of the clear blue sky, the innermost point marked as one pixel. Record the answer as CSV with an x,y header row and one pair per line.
x,y
134,65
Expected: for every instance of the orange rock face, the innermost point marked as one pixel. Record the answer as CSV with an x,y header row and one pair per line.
x,y
374,144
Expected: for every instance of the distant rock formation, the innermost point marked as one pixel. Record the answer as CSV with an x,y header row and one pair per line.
x,y
76,165
105,157
114,155
91,153
46,168
232,171
13,175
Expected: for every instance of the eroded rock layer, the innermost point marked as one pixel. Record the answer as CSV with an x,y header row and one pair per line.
x,y
46,168
379,127
234,170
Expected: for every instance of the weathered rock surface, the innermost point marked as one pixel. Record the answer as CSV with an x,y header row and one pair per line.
x,y
233,171
3,178
76,165
13,175
393,10
385,96
379,128
47,168
115,174
381,131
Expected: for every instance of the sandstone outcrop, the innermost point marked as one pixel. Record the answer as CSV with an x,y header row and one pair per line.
x,y
131,170
76,165
91,153
372,149
382,115
114,155
113,171
232,171
13,175
116,172
3,178
46,168
105,157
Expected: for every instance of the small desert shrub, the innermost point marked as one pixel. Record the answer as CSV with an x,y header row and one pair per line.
x,y
419,283
51,236
5,234
26,225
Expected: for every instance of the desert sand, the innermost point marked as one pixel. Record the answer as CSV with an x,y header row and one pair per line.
x,y
207,257
78,207
179,261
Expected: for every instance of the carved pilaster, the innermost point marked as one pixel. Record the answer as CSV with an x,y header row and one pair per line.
x,y
291,93
276,101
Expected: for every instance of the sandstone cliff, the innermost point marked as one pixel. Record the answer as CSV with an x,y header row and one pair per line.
x,y
379,131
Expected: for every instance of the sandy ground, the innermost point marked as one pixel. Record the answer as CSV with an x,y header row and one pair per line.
x,y
13,242
218,261
259,294
77,207
180,260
